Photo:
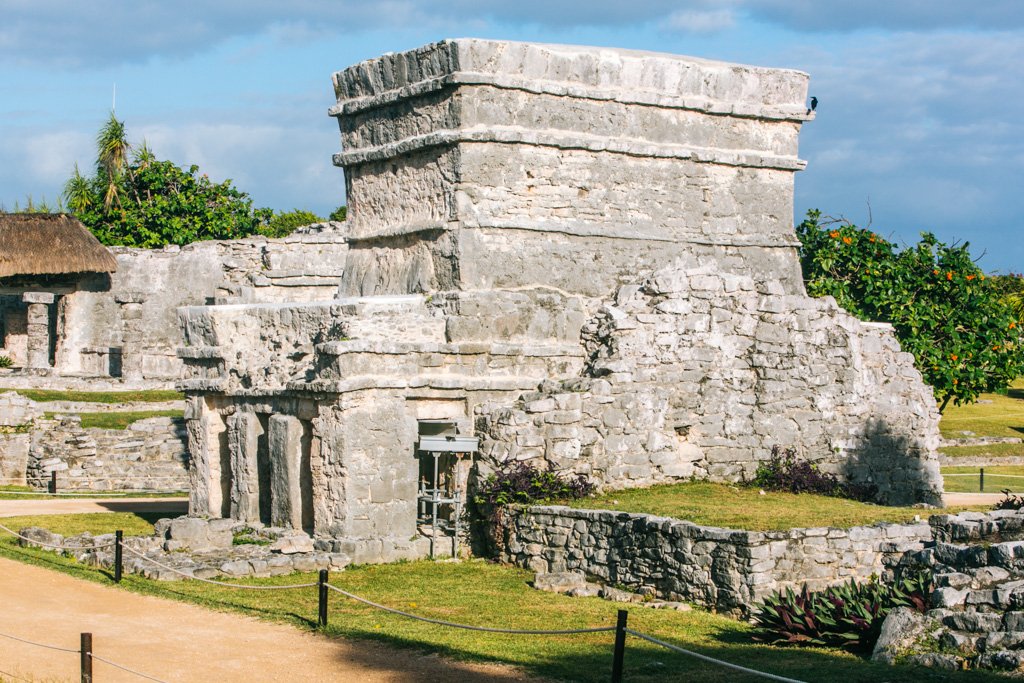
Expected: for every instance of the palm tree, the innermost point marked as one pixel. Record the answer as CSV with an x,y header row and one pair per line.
x,y
112,154
78,193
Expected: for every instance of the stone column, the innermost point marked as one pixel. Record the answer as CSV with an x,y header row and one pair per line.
x,y
133,335
243,442
38,356
285,437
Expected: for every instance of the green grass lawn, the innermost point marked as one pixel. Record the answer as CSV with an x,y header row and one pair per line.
x,y
148,396
743,507
485,594
29,493
1004,416
994,483
119,420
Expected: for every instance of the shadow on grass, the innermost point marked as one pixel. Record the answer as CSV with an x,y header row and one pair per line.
x,y
583,658
591,662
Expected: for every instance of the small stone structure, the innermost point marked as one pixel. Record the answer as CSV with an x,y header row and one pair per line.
x,y
43,258
583,256
128,327
149,455
729,570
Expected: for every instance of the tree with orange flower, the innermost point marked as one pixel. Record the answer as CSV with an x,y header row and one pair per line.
x,y
964,337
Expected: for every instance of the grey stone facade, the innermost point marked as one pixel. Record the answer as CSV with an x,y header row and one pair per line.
x,y
580,255
127,325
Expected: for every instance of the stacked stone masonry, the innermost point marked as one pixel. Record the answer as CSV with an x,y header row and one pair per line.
x,y
728,570
125,324
579,255
698,373
976,615
149,455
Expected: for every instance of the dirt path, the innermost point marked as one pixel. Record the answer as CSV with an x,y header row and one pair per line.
x,y
66,506
175,641
971,498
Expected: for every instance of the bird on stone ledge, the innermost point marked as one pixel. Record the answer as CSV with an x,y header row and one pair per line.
x,y
814,104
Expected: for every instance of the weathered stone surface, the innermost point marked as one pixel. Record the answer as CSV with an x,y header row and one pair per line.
x,y
289,545
902,629
559,582
584,257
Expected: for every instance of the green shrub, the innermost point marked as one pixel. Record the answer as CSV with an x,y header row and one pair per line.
x,y
6,362
339,214
784,471
521,482
284,223
849,616
959,325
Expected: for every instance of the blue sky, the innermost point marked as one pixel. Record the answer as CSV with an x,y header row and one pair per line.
x,y
920,126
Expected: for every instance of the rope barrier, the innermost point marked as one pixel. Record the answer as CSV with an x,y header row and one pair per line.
x,y
32,642
59,547
124,668
987,475
12,676
712,660
216,583
524,632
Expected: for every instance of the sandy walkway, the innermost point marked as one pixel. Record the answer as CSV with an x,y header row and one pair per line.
x,y
175,641
971,498
66,506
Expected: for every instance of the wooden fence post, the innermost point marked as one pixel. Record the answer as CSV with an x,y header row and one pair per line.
x,y
118,541
981,480
620,646
322,614
86,658
53,481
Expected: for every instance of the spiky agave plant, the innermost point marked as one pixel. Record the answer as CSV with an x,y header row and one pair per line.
x,y
849,615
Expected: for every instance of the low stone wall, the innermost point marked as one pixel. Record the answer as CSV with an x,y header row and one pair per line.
x,y
151,454
724,569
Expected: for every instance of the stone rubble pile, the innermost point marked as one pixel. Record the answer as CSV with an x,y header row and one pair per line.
x,y
202,549
576,585
697,372
976,615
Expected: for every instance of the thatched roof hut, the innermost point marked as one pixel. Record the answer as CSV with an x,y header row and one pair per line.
x,y
49,244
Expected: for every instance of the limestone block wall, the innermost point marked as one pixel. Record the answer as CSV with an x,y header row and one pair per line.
x,y
127,324
242,346
698,373
476,164
724,569
17,416
151,454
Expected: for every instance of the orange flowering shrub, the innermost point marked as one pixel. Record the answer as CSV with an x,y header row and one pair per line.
x,y
964,337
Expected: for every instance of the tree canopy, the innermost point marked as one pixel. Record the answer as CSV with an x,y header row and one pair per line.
x,y
964,336
134,199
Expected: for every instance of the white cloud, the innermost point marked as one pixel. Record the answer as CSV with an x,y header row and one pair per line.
x,y
700,21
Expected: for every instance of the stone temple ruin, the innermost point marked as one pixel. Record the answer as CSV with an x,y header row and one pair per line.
x,y
573,255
